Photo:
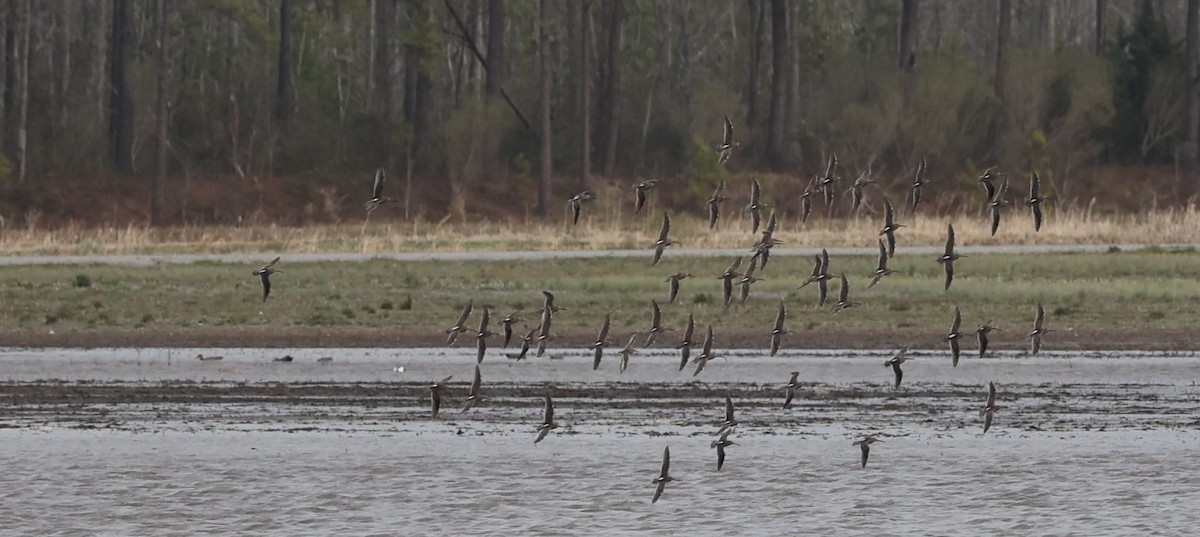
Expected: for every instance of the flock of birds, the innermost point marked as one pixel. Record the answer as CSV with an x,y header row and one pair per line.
x,y
539,336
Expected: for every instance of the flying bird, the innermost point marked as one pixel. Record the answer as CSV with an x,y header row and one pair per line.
x,y
525,343
727,279
508,322
639,194
598,346
377,197
547,422
890,226
1035,337
954,336
806,200
990,408
627,352
482,335
664,477
473,395
790,389
881,268
729,422
264,274
576,203
844,296
748,279
1035,201
918,182
685,346
720,444
663,240
998,201
981,334
706,353
825,183
865,446
714,204
948,257
656,326
725,148
673,281
436,391
458,328
755,206
856,190
820,276
777,331
899,358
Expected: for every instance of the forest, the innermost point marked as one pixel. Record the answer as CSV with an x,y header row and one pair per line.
x,y
132,112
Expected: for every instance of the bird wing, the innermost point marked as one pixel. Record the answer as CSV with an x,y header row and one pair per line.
x,y
728,409
883,257
666,227
466,312
949,239
666,465
791,393
780,316
866,451
823,286
991,402
948,266
1039,318
1037,216
755,219
603,335
957,323
990,188
266,284
775,343
269,265
1035,184
436,397
983,343
656,319
755,192
674,290
714,212
639,199
708,341
824,261
476,383
377,189
888,213
720,455
844,292
690,329
484,320
727,139
737,262
549,411
955,350
897,371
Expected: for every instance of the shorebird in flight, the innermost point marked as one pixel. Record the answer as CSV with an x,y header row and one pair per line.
x,y
748,279
264,274
685,346
548,303
899,358
1035,337
482,335
714,204
825,183
755,206
1035,201
377,197
844,296
663,240
777,331
981,334
673,281
664,477
820,276
881,268
948,257
628,351
865,446
525,343
727,145
639,194
508,322
918,182
576,203
890,226
727,279
729,422
954,336
998,202
598,346
706,353
990,408
436,391
547,422
473,395
720,444
856,190
806,200
656,326
762,248
458,328
790,389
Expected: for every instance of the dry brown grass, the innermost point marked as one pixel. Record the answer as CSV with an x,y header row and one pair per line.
x,y
602,227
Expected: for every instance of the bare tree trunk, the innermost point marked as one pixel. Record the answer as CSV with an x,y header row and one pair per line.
x,y
908,34
757,38
158,202
585,94
63,51
546,168
1003,31
120,126
780,66
1191,145
23,113
371,53
612,86
495,47
385,14
1101,22
8,135
283,105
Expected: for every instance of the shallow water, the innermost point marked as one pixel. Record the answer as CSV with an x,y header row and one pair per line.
x,y
125,442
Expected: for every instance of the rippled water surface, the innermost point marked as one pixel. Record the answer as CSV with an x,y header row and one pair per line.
x,y
154,442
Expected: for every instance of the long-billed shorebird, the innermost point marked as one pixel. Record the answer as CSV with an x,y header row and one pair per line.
x,y
755,206
482,335
628,351
576,204
777,330
639,194
865,446
825,183
790,389
899,358
601,342
458,328
673,285
729,422
748,279
918,182
663,240
844,296
881,268
727,145
508,322
954,336
377,197
547,421
473,395
820,276
720,444
806,200
436,391
706,352
714,204
525,343
727,278
856,190
981,334
656,326
998,201
264,274
685,346
664,477
948,257
890,226
1035,336
548,303
990,408
1035,200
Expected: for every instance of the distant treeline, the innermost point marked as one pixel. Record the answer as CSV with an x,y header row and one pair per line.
x,y
552,95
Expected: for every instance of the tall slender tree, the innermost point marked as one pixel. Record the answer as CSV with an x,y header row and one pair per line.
x,y
120,125
611,95
1101,22
779,81
495,47
585,94
283,80
908,34
545,80
758,9
23,88
159,199
1191,145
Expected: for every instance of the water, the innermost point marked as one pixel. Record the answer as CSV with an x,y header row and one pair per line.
x,y
126,442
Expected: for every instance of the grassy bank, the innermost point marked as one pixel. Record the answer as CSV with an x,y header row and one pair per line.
x,y
603,226
1121,297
